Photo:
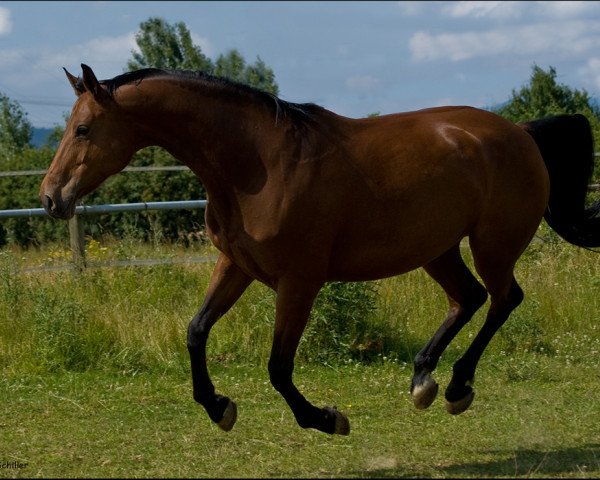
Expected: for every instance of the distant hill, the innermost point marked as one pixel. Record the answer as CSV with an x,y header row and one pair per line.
x,y
40,136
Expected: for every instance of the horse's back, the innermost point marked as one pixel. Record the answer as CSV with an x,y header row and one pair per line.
x,y
427,179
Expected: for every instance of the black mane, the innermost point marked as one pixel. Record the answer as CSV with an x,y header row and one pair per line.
x,y
295,111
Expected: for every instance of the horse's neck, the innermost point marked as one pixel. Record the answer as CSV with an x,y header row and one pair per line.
x,y
216,139
231,146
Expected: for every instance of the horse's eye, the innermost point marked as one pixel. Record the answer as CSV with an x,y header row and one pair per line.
x,y
82,130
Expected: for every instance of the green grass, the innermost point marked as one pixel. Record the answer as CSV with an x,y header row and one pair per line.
x,y
95,375
97,424
135,318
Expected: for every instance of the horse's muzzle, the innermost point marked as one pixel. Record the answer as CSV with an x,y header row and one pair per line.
x,y
57,209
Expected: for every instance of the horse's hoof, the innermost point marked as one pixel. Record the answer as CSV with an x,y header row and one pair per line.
x,y
229,417
342,424
461,405
424,394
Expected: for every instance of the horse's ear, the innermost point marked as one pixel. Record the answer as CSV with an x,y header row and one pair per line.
x,y
75,83
92,85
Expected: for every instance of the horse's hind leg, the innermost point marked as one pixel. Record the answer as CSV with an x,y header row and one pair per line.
x,y
465,296
226,285
294,301
495,266
459,393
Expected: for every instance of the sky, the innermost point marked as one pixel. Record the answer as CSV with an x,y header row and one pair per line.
x,y
354,58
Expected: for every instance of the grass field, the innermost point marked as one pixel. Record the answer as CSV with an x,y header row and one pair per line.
x,y
95,378
105,425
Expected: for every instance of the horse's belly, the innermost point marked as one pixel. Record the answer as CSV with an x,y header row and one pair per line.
x,y
371,268
375,261
390,241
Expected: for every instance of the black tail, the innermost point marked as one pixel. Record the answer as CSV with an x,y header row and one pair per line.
x,y
567,146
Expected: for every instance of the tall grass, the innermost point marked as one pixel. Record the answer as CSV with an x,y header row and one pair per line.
x,y
116,322
133,319
559,317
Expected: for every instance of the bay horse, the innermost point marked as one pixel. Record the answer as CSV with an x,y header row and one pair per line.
x,y
299,196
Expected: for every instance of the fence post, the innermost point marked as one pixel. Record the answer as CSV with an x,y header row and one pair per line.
x,y
76,238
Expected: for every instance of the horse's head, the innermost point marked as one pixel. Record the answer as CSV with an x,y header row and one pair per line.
x,y
94,146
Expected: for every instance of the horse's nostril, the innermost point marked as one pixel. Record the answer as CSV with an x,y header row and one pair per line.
x,y
49,205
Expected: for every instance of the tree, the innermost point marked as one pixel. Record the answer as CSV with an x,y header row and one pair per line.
x,y
16,153
167,46
15,129
22,192
233,66
544,97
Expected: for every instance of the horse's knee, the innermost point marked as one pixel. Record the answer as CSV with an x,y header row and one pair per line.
x,y
197,332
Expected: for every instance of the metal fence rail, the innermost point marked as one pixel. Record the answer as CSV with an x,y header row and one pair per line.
x,y
76,229
110,208
76,225
164,168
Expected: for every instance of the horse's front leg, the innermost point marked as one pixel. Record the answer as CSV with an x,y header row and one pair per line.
x,y
226,285
294,302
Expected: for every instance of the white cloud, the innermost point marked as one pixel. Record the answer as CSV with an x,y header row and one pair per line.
x,y
363,83
204,43
9,58
107,49
591,72
567,38
26,68
342,50
458,46
5,21
498,10
106,55
505,10
568,9
442,102
410,9
110,53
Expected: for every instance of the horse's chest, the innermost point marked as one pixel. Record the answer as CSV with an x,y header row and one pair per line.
x,y
252,260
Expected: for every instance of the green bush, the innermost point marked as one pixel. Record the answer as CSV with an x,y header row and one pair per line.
x,y
340,326
21,192
183,226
